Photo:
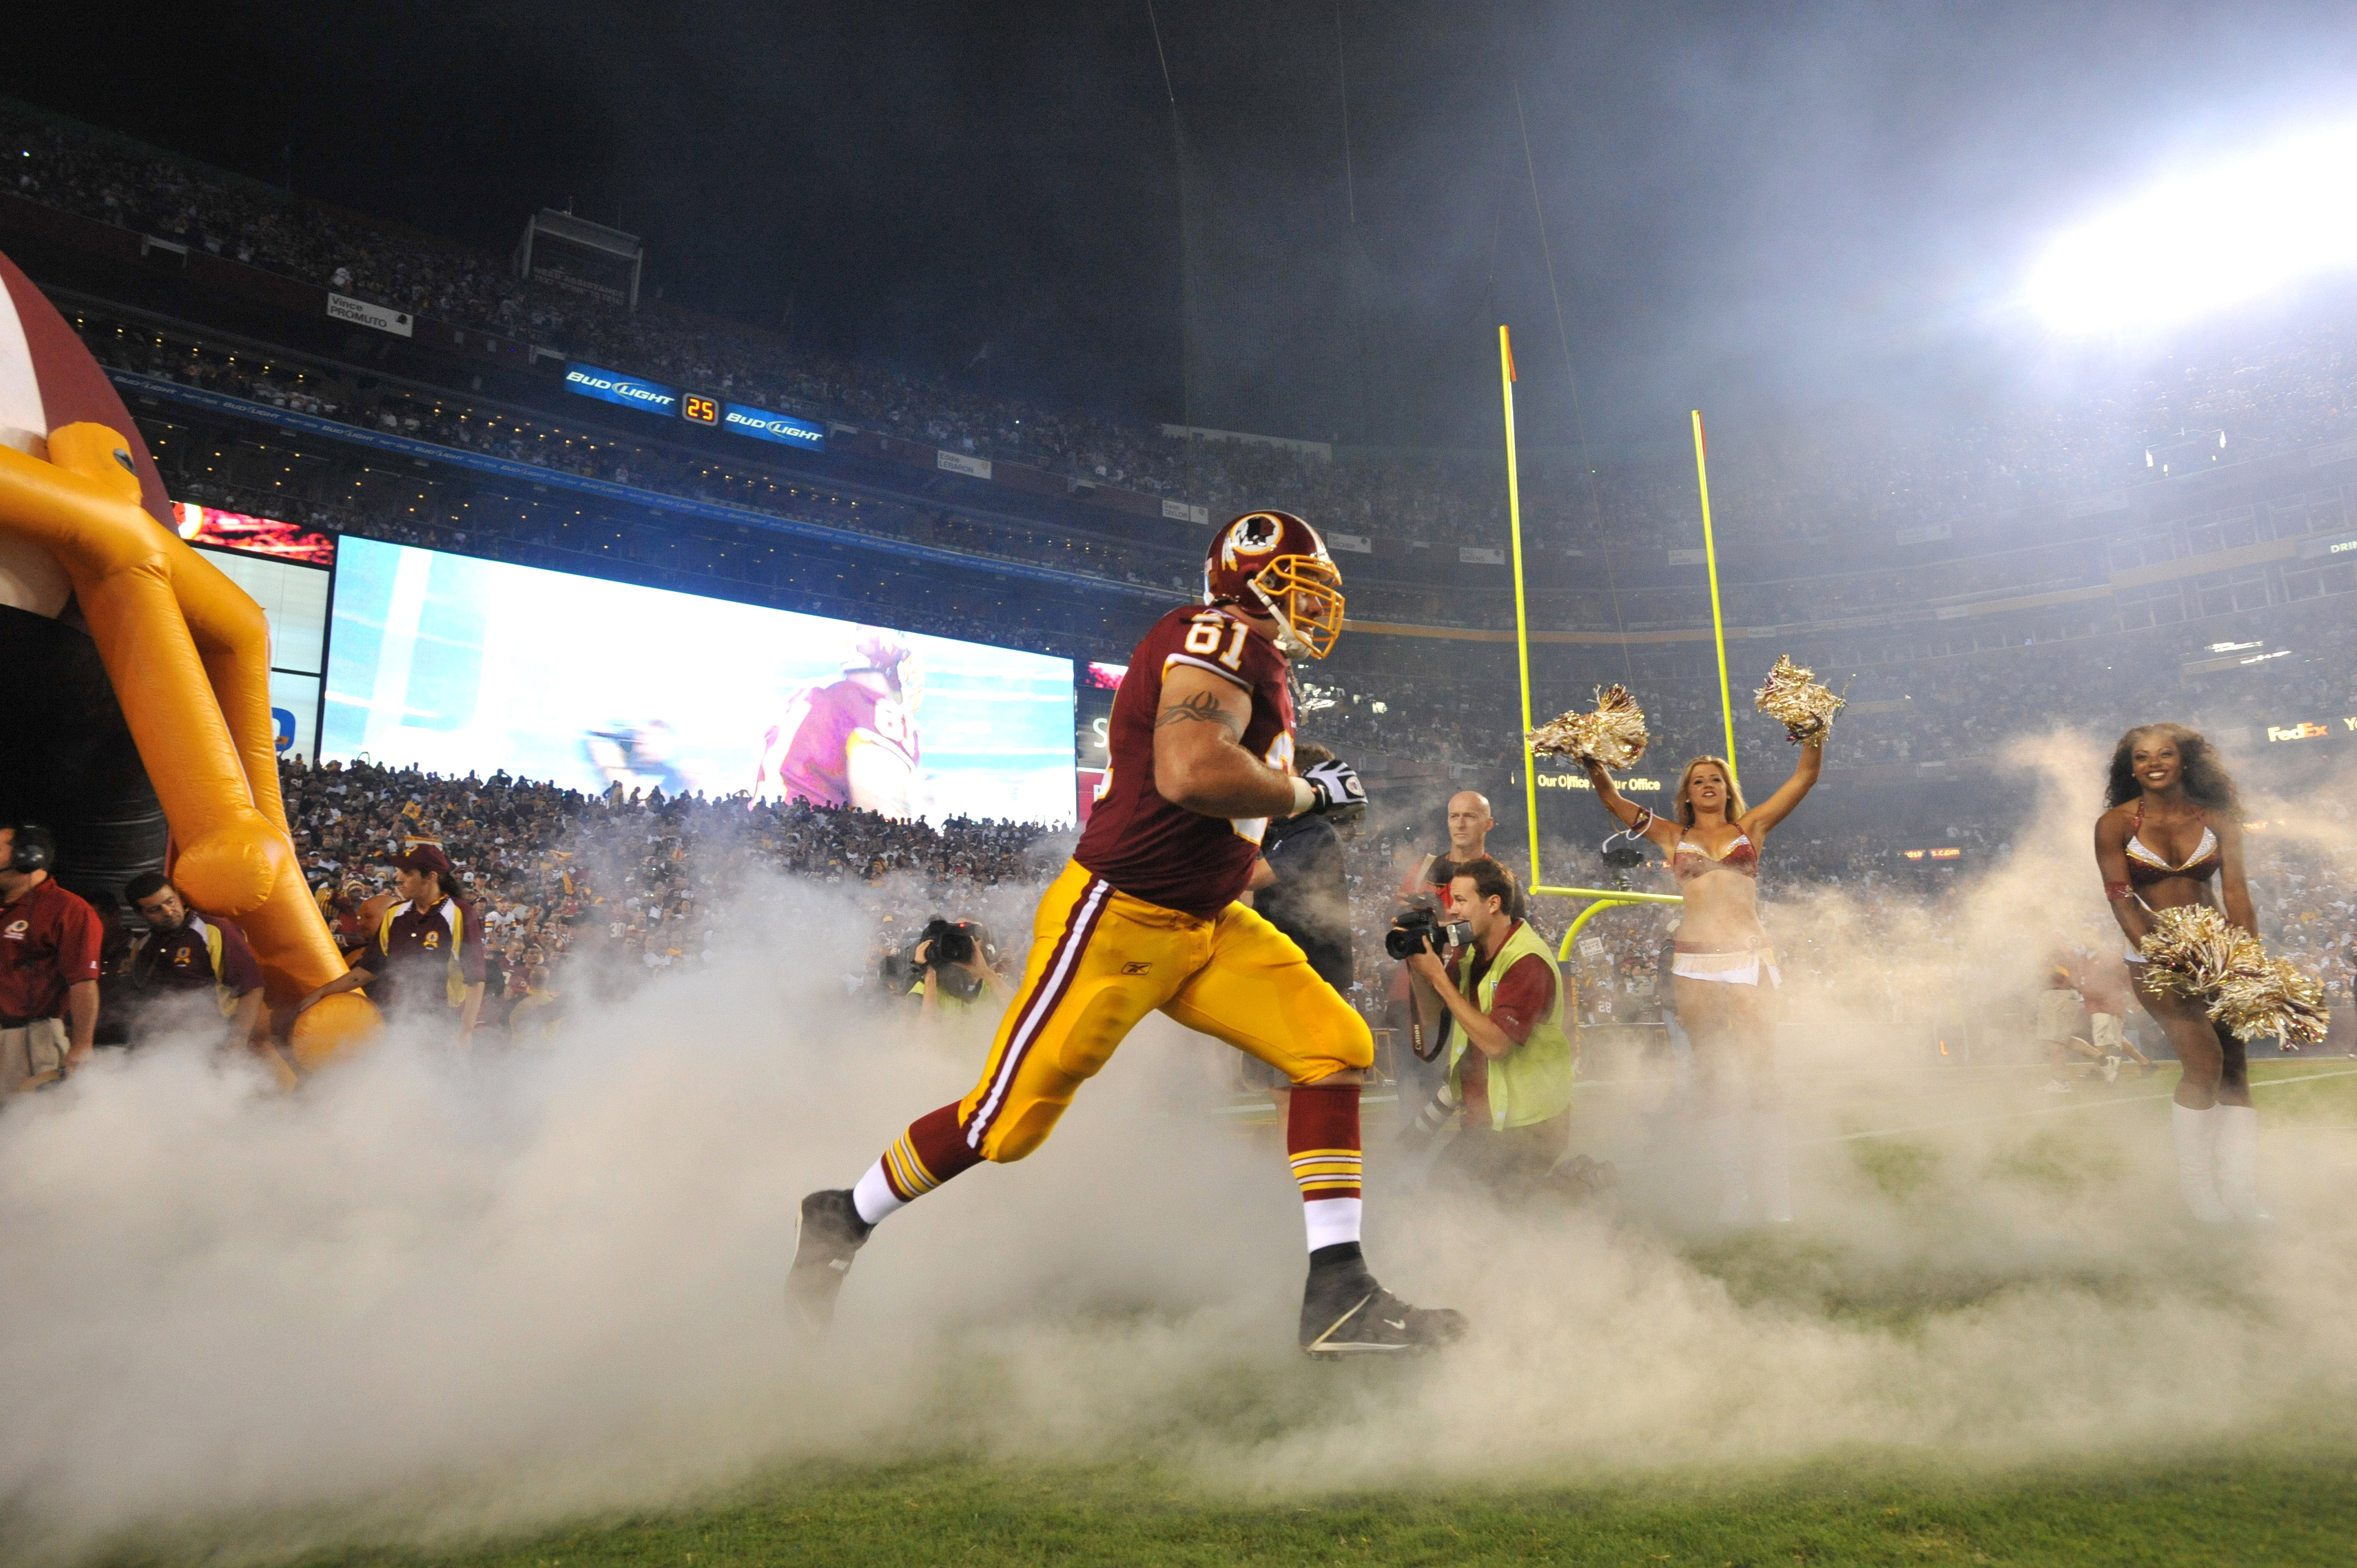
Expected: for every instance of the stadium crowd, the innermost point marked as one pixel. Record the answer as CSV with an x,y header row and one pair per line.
x,y
627,884
1388,590
1912,710
1854,472
605,892
640,881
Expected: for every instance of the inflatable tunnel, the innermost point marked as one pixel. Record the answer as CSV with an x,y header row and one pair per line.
x,y
138,675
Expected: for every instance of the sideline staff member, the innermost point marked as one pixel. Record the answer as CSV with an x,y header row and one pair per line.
x,y
184,952
1470,820
50,942
1509,1062
424,957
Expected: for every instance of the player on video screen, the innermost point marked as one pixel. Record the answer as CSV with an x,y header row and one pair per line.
x,y
854,741
637,756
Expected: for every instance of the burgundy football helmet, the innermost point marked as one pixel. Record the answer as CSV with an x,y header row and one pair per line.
x,y
1272,563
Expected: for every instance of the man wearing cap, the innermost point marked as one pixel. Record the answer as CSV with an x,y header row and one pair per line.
x,y
50,943
424,955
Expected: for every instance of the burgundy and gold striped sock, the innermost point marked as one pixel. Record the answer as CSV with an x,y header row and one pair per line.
x,y
930,1152
1321,1135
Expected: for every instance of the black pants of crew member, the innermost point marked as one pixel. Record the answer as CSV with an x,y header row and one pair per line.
x,y
1511,1165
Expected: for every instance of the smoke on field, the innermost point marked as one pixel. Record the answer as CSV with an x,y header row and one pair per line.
x,y
427,1297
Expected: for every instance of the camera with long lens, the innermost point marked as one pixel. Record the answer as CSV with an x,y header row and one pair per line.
x,y
1416,930
947,945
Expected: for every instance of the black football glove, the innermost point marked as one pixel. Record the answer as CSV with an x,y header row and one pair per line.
x,y
1335,791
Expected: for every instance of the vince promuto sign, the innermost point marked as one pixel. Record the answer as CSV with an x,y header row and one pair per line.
x,y
344,308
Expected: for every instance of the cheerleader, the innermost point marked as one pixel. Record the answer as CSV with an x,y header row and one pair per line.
x,y
2172,825
1722,970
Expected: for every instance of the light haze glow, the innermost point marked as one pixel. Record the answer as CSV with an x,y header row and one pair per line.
x,y
2229,234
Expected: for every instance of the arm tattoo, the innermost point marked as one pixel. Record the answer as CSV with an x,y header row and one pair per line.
x,y
1205,708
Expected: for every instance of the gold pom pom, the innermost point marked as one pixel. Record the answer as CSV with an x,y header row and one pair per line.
x,y
1613,735
1794,698
2190,951
2193,954
2277,1000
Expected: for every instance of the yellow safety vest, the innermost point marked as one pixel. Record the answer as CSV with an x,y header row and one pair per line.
x,y
1531,1082
455,987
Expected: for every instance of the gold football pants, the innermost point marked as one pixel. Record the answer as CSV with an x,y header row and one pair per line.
x,y
1101,960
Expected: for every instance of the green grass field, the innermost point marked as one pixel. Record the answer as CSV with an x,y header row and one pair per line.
x,y
2288,1497
2212,1510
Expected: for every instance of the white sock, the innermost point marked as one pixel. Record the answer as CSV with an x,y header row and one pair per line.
x,y
2195,1136
1725,1137
1772,1166
874,1197
2238,1161
1332,1220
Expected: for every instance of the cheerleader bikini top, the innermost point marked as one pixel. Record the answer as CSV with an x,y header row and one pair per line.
x,y
2144,867
1689,861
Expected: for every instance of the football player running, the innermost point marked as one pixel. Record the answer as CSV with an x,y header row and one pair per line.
x,y
1145,918
851,742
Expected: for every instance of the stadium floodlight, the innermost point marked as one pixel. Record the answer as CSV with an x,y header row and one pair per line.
x,y
2205,240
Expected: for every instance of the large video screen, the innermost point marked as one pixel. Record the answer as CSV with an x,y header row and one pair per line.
x,y
456,664
211,527
294,600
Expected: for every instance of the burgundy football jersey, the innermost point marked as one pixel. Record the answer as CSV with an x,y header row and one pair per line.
x,y
1138,841
817,736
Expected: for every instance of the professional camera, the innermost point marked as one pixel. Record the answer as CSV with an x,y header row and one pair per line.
x,y
1416,929
950,946
947,944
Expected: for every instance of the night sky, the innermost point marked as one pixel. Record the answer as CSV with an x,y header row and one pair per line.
x,y
1759,208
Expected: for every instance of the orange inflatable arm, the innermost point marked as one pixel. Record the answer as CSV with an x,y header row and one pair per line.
x,y
188,654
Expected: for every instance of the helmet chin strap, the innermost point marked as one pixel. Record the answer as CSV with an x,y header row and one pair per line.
x,y
1288,639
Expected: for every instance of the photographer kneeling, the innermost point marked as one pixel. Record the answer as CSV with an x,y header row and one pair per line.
x,y
952,962
1509,1062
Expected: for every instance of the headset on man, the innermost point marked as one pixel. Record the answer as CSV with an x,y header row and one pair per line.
x,y
30,848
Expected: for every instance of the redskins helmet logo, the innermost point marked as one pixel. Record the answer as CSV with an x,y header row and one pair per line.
x,y
1272,563
1255,534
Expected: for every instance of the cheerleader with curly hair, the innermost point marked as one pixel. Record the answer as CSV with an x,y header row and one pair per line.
x,y
2171,826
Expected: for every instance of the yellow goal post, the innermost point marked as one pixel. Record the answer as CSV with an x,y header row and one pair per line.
x,y
1601,899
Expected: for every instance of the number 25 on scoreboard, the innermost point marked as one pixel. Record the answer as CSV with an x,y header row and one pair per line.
x,y
699,410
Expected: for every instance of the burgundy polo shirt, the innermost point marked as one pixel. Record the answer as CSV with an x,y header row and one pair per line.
x,y
48,942
183,961
412,962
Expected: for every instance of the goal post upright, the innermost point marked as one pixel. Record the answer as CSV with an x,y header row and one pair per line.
x,y
1717,626
1607,896
1521,613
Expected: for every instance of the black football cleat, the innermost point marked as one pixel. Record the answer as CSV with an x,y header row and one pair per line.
x,y
830,1234
1345,1312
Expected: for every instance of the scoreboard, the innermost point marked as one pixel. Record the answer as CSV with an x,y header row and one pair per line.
x,y
695,407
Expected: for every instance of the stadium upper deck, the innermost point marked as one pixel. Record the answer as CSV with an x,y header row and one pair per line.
x,y
1910,561
86,198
